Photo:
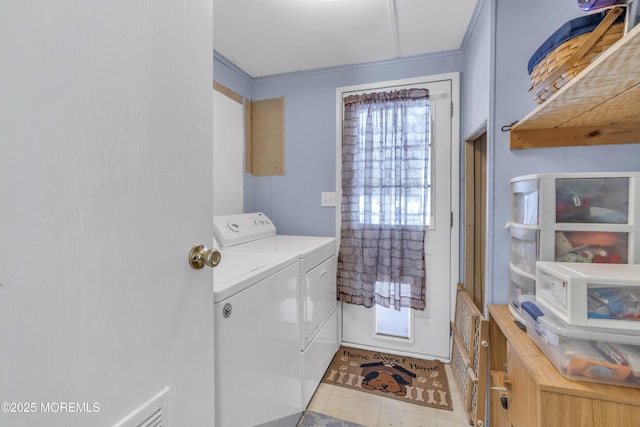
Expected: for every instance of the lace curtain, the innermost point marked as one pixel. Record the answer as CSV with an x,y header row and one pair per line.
x,y
385,199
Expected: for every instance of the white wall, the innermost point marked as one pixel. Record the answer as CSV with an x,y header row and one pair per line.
x,y
228,155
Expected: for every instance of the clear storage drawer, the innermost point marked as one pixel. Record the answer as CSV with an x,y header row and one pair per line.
x,y
524,201
547,200
591,247
609,356
519,286
594,295
524,249
592,200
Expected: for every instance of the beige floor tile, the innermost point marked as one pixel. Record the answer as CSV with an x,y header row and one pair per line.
x,y
376,411
319,400
447,423
324,387
456,418
395,413
357,407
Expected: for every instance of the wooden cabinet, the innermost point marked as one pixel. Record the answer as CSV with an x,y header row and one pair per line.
x,y
538,395
499,415
599,106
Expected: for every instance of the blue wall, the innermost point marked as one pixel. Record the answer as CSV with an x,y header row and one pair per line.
x,y
520,27
227,74
476,71
502,36
293,200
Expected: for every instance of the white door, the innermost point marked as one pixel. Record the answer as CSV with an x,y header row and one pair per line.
x,y
427,334
105,185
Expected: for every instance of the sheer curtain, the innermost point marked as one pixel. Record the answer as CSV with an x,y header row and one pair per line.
x,y
385,198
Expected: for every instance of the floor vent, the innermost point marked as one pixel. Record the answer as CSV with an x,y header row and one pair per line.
x,y
153,413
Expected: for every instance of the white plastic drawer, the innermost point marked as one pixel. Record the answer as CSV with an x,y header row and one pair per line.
x,y
593,295
592,247
524,201
592,200
519,286
524,249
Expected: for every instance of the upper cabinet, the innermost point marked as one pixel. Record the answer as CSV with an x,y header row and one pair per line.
x,y
601,105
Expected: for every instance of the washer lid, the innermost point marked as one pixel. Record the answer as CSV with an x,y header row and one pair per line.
x,y
239,270
302,246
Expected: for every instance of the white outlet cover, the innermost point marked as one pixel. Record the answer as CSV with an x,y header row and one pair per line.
x,y
328,198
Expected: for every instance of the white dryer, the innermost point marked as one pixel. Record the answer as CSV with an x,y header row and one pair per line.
x,y
256,340
317,316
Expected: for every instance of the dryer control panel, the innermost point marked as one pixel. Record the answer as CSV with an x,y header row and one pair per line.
x,y
231,230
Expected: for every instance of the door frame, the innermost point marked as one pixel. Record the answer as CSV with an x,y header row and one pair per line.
x,y
454,255
475,208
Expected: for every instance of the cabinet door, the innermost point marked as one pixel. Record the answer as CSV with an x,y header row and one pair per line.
x,y
499,415
524,398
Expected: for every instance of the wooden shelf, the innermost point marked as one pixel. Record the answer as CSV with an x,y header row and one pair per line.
x,y
599,106
538,394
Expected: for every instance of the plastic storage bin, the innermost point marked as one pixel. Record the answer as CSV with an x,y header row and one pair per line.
x,y
588,198
524,249
530,245
519,286
574,217
524,201
592,200
609,356
595,295
591,246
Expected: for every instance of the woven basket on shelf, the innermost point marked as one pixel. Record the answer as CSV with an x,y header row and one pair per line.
x,y
568,59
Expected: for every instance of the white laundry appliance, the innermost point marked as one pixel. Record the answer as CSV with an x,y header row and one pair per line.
x,y
317,315
257,336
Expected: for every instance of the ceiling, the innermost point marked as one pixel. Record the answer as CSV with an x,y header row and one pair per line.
x,y
267,37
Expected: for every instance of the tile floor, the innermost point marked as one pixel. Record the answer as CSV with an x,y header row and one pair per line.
x,y
376,411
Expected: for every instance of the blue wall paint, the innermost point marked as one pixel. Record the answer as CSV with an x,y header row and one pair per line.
x,y
293,200
475,92
495,83
227,74
476,69
520,27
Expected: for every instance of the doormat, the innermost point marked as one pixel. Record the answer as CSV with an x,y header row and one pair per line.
x,y
423,382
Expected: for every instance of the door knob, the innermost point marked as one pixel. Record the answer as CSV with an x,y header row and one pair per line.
x,y
201,256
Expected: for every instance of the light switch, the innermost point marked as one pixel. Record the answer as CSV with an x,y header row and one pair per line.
x,y
328,198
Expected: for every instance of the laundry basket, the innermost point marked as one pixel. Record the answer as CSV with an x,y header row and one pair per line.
x,y
571,49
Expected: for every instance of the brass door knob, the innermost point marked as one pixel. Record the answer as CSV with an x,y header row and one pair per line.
x,y
200,255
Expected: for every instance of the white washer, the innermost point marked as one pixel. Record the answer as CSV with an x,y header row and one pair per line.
x,y
257,352
317,316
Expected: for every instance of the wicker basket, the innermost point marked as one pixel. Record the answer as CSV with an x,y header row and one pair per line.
x,y
568,59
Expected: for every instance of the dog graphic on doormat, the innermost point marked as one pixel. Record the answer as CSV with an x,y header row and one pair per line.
x,y
388,378
412,380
